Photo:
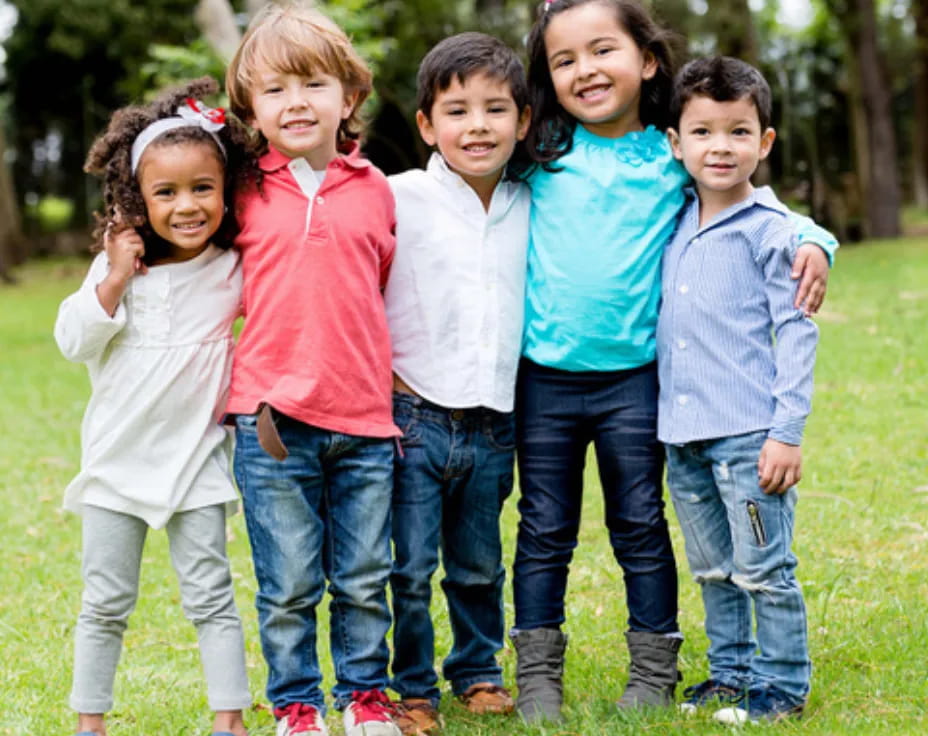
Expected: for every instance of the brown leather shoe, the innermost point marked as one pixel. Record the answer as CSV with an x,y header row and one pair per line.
x,y
485,697
417,717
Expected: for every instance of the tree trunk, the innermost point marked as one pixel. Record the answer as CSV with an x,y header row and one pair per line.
x,y
11,234
880,178
733,24
920,126
216,21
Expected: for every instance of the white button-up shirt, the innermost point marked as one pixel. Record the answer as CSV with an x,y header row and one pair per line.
x,y
456,294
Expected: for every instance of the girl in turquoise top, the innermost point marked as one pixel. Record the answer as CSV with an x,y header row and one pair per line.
x,y
606,192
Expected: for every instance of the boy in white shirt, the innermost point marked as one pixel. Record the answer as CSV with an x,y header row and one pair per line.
x,y
454,306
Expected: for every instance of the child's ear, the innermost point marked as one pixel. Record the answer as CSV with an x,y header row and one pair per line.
x,y
650,65
766,142
674,137
351,101
425,128
525,119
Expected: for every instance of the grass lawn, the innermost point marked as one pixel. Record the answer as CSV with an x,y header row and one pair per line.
x,y
862,540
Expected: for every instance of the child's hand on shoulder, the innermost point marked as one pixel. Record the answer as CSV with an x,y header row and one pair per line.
x,y
779,467
811,265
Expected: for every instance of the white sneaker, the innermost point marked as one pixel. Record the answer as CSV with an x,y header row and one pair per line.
x,y
731,716
370,713
300,718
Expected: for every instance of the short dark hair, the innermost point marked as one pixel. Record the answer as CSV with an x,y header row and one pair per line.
x,y
460,57
723,79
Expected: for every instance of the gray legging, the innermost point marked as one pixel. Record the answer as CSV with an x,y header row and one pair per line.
x,y
112,554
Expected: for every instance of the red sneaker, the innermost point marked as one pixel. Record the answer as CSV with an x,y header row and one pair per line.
x,y
370,713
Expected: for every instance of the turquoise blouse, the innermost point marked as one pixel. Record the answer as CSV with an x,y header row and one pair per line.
x,y
598,229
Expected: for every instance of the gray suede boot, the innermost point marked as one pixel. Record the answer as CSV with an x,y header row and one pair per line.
x,y
652,675
539,673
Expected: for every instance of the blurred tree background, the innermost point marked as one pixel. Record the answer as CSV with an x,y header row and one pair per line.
x,y
850,81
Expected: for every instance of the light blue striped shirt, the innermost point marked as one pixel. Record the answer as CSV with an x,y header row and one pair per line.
x,y
734,354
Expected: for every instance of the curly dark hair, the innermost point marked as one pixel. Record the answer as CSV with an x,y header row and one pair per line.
x,y
110,159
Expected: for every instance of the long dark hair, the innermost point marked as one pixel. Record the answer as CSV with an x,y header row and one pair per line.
x,y
550,134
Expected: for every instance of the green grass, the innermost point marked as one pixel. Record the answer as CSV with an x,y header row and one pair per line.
x,y
862,539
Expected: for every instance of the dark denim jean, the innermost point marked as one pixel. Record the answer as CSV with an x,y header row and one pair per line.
x,y
558,415
321,514
738,542
451,479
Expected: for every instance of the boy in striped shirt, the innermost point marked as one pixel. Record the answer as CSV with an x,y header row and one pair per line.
x,y
735,358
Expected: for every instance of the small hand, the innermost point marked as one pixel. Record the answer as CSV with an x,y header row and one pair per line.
x,y
811,265
121,240
124,250
779,467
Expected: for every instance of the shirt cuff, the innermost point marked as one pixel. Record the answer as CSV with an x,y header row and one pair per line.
x,y
788,432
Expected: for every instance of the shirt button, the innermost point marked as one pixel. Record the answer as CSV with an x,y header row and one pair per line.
x,y
320,200
682,399
681,344
684,289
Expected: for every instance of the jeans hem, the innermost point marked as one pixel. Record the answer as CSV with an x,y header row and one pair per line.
x,y
459,687
318,705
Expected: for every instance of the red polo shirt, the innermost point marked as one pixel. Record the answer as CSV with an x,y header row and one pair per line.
x,y
315,344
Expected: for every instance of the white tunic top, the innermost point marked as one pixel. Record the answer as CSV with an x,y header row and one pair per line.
x,y
456,293
159,373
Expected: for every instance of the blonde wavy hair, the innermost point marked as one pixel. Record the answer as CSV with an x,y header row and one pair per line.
x,y
296,38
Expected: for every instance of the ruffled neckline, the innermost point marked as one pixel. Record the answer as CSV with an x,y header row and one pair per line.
x,y
636,147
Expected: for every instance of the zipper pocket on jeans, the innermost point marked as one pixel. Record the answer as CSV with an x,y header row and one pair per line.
x,y
757,523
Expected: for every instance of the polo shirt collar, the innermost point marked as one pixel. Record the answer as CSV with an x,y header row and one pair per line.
x,y
351,158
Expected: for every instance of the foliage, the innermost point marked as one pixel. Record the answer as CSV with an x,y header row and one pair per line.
x,y
169,65
69,65
861,537
52,213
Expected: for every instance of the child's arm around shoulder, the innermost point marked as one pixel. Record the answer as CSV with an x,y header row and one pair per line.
x,y
780,463
813,260
91,317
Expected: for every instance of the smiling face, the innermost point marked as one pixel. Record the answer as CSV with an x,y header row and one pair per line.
x,y
182,186
475,125
597,69
720,144
300,115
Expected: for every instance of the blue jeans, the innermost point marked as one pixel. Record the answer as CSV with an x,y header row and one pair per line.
x,y
558,414
450,482
321,514
738,544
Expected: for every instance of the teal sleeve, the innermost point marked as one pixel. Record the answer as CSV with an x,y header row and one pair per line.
x,y
808,232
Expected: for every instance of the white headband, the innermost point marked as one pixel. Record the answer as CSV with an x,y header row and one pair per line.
x,y
194,114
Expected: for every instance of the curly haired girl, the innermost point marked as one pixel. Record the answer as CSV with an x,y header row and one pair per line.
x,y
153,323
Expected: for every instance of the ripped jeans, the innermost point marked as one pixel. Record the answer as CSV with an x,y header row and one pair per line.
x,y
738,545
